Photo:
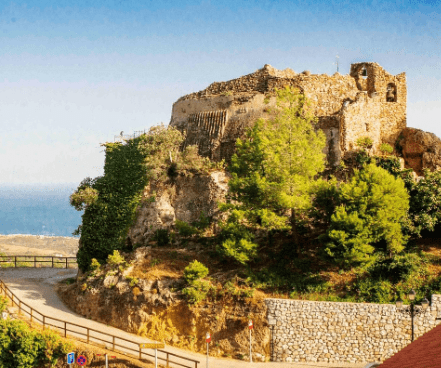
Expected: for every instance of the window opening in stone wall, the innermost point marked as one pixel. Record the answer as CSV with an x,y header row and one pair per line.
x,y
363,72
391,93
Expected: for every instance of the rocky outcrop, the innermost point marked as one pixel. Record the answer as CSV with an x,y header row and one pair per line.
x,y
185,199
420,149
155,305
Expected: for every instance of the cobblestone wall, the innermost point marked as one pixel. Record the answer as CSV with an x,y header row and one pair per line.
x,y
308,331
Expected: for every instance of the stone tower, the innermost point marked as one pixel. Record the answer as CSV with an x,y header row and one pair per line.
x,y
367,102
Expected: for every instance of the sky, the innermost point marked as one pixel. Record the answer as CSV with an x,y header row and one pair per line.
x,y
76,73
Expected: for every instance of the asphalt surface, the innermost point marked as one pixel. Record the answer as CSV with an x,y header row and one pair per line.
x,y
36,288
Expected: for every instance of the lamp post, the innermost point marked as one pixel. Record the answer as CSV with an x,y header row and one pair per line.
x,y
272,322
412,311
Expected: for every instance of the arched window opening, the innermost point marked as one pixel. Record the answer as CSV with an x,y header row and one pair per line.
x,y
363,72
391,93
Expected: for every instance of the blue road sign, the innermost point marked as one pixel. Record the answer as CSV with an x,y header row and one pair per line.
x,y
70,358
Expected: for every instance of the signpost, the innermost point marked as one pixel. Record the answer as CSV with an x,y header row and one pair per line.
x,y
207,340
71,359
250,326
155,346
81,360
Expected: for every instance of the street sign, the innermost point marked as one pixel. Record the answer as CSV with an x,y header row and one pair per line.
x,y
81,360
160,345
71,358
250,324
207,338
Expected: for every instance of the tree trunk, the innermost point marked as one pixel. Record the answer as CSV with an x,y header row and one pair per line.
x,y
295,234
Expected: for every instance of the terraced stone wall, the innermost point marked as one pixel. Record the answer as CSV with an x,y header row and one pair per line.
x,y
308,331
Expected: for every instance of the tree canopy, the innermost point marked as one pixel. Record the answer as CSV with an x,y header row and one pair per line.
x,y
373,205
273,171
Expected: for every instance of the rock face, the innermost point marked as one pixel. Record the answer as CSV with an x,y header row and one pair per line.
x,y
186,199
420,150
367,102
118,299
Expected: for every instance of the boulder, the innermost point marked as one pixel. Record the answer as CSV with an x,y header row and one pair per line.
x,y
420,150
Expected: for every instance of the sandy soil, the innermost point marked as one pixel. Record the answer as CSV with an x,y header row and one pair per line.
x,y
38,245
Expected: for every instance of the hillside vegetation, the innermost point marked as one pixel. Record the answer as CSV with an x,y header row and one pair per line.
x,y
359,233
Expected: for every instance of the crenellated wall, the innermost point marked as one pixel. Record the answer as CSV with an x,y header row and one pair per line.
x,y
367,102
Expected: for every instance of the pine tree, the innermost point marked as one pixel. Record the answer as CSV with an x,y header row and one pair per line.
x,y
274,167
369,219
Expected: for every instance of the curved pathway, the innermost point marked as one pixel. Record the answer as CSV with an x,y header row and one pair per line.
x,y
36,287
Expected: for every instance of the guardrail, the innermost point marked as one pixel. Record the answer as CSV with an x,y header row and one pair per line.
x,y
89,335
135,134
24,261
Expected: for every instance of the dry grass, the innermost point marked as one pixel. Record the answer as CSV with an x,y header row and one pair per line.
x,y
164,263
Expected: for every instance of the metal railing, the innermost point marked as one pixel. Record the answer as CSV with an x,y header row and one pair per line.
x,y
124,137
37,261
86,334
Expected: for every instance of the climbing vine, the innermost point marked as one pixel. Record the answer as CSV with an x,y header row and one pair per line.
x,y
110,202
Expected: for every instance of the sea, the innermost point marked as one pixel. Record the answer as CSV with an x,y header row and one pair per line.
x,y
38,209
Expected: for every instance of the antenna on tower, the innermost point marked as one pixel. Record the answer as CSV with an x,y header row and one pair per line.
x,y
336,61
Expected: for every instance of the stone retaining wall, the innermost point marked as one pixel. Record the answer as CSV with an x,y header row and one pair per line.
x,y
308,331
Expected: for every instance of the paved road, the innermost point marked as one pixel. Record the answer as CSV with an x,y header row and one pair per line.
x,y
36,287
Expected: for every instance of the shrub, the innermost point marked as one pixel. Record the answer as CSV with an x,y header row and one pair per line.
x,y
115,259
194,271
23,347
399,268
197,291
83,197
237,239
425,202
132,280
365,142
94,265
162,237
184,229
386,148
375,291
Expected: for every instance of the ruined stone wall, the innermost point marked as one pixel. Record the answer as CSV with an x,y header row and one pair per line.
x,y
215,117
308,331
358,120
392,94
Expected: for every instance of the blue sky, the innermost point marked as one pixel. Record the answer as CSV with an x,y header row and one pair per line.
x,y
76,73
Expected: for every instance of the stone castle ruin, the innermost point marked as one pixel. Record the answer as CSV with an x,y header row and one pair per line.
x,y
369,102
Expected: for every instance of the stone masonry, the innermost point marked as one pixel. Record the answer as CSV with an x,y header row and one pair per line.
x,y
309,331
369,102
